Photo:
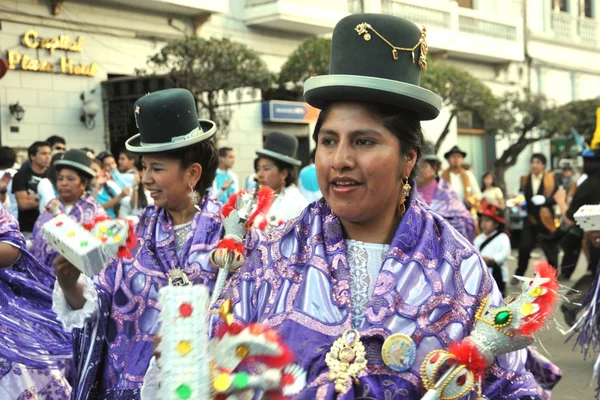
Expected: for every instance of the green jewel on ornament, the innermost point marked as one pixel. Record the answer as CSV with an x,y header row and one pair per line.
x,y
241,380
183,392
502,318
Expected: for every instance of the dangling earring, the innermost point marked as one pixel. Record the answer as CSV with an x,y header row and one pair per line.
x,y
193,195
403,197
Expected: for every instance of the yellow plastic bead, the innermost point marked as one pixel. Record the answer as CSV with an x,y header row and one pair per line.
x,y
103,229
537,291
242,351
117,238
70,234
222,383
184,347
526,309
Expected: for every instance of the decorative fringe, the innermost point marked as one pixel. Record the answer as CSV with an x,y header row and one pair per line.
x,y
587,328
264,199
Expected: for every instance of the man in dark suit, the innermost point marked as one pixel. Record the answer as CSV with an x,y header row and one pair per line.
x,y
538,188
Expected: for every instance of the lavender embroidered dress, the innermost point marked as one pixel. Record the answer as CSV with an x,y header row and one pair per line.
x,y
429,285
115,330
35,353
447,204
84,211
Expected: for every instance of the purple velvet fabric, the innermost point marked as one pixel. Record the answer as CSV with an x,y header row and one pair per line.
x,y
120,338
34,350
85,210
429,287
447,204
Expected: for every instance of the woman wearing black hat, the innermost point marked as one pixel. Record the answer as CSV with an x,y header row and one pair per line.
x,y
277,169
73,174
368,280
115,317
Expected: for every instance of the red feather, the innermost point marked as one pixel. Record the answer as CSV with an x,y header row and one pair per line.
x,y
264,199
262,225
469,355
229,206
231,244
546,302
123,252
233,329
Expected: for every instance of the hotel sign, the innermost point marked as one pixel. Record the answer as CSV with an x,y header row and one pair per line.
x,y
64,65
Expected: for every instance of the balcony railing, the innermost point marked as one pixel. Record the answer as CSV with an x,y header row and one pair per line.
x,y
453,18
574,30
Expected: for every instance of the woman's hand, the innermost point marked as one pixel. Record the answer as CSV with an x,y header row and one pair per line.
x,y
67,275
560,197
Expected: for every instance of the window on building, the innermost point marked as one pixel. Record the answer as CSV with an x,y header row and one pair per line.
x,y
585,8
465,3
560,5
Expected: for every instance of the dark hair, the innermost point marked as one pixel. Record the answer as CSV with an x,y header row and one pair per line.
x,y
490,173
540,157
256,164
85,178
52,173
101,156
204,153
129,155
435,164
87,150
52,140
292,173
35,147
224,151
591,166
313,154
404,124
8,157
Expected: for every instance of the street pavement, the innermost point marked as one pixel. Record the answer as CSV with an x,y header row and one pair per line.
x,y
577,372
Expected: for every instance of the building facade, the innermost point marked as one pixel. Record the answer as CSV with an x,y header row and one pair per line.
x,y
69,59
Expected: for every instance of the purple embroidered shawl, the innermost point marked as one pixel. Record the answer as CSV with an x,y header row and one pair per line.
x,y
85,210
30,335
429,287
120,338
447,204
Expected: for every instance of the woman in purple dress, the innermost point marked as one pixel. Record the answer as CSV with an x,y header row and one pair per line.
x,y
439,196
114,317
35,353
367,281
74,173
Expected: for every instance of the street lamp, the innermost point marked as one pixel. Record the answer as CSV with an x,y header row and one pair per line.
x,y
17,111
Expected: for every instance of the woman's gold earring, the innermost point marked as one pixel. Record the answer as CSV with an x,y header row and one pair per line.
x,y
193,195
405,193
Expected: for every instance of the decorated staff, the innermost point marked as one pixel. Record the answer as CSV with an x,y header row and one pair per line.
x,y
453,373
242,212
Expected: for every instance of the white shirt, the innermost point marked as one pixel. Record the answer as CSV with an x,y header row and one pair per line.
x,y
287,205
46,193
11,201
536,181
457,185
498,250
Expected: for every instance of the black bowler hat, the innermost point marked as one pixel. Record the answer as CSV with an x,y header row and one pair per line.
x,y
168,120
282,147
455,150
376,58
76,159
429,152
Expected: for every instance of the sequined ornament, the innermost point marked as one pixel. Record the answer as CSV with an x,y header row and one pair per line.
x,y
398,352
193,195
346,359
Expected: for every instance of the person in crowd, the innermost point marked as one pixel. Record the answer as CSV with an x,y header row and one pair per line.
x,y
226,182
538,187
491,191
74,173
35,353
440,197
370,255
567,178
493,243
47,187
140,197
25,184
8,157
57,144
586,193
462,180
307,180
127,162
114,317
252,180
106,190
277,165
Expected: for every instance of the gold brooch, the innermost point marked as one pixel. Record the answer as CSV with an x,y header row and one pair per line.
x,y
346,359
363,30
178,278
